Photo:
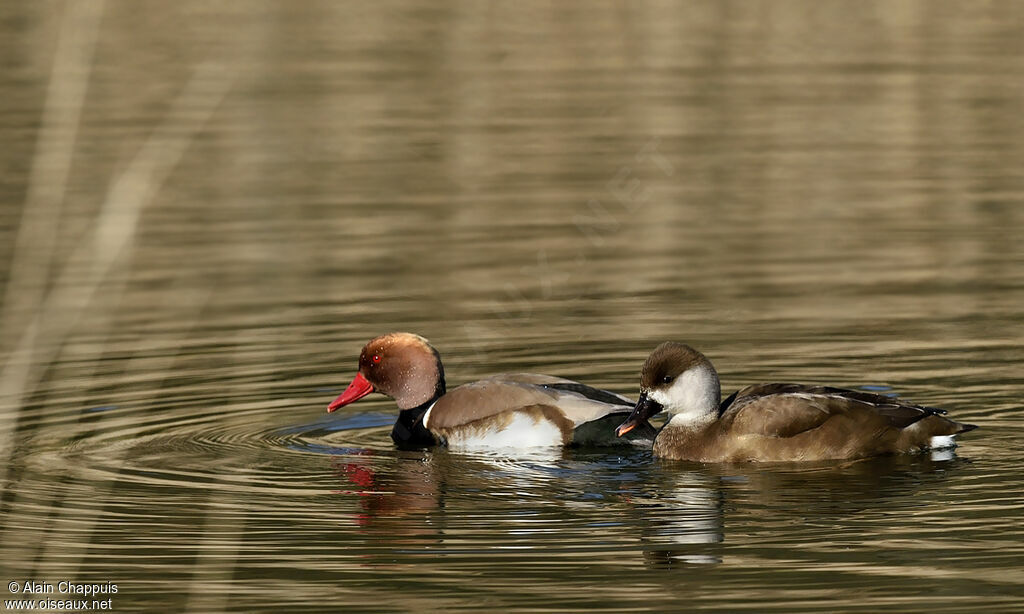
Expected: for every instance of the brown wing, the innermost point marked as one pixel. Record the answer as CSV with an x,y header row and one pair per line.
x,y
487,397
786,410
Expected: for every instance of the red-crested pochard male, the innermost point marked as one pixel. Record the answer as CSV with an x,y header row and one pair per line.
x,y
514,410
775,422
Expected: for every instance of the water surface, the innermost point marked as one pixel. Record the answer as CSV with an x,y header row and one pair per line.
x,y
209,208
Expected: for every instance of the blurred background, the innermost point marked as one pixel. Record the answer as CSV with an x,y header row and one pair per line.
x,y
207,208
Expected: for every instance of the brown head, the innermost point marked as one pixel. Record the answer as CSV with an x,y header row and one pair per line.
x,y
402,366
680,380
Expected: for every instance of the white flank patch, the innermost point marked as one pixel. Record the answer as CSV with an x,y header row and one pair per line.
x,y
522,432
942,441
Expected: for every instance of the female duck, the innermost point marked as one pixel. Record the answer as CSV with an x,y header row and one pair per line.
x,y
514,410
775,422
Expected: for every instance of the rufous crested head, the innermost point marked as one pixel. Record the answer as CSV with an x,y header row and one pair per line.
x,y
403,366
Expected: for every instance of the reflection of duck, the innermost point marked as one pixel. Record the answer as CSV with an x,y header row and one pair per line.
x,y
690,513
518,410
775,422
404,492
686,523
401,491
820,489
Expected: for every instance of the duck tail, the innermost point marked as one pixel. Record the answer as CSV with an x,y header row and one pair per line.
x,y
963,428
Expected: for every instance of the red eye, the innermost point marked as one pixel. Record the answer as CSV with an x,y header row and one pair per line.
x,y
376,358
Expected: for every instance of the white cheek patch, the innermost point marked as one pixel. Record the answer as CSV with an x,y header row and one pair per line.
x,y
659,397
692,397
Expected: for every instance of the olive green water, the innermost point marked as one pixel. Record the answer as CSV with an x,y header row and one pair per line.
x,y
207,208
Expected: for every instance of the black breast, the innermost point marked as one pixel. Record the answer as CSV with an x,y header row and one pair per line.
x,y
409,432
